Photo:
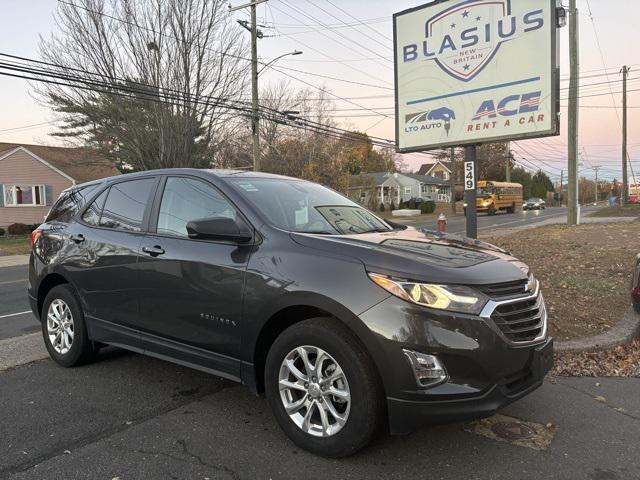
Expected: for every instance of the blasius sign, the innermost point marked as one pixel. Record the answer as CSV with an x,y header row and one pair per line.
x,y
490,65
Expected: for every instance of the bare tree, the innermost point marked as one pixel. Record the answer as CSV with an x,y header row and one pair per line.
x,y
170,66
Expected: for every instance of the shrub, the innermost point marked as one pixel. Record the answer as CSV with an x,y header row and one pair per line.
x,y
393,206
2,232
402,206
18,229
428,207
412,204
382,207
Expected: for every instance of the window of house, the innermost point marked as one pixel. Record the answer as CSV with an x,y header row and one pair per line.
x,y
125,205
187,199
407,191
425,188
24,195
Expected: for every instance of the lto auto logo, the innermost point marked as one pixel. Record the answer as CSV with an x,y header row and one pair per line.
x,y
437,118
465,38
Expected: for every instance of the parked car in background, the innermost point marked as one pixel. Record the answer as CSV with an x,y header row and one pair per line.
x,y
534,204
635,285
345,321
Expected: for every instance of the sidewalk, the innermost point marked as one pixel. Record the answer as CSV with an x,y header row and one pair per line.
x,y
13,260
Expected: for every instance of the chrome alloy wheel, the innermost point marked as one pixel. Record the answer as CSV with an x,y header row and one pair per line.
x,y
314,391
60,326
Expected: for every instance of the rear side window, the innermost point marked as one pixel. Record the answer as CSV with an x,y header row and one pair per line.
x,y
125,205
70,203
186,199
92,214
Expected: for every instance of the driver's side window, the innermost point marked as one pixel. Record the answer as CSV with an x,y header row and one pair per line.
x,y
187,199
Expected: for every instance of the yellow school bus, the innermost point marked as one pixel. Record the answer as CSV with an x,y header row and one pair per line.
x,y
496,196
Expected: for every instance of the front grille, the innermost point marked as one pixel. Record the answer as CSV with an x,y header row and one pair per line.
x,y
502,291
521,321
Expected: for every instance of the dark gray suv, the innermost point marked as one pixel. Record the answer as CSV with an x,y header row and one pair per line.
x,y
349,324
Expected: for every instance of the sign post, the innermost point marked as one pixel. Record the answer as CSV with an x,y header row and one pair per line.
x,y
471,191
470,72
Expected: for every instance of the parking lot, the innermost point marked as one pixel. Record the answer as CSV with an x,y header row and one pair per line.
x,y
128,416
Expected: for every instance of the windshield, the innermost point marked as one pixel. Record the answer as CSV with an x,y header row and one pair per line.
x,y
305,207
485,192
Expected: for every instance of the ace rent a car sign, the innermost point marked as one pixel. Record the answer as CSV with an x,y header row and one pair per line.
x,y
475,71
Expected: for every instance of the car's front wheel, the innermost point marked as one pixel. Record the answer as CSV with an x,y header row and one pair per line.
x,y
323,388
64,330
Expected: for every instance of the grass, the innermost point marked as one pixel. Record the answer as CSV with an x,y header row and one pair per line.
x,y
584,271
18,245
626,211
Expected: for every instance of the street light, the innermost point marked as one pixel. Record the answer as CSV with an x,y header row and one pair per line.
x,y
295,52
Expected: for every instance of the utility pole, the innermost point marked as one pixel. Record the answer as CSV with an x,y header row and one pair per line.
x,y
561,186
452,180
508,166
255,117
572,216
625,175
597,169
255,120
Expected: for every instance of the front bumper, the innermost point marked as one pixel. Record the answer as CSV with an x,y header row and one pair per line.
x,y
485,371
406,415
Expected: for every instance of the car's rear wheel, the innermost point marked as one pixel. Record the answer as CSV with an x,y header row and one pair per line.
x,y
323,388
64,330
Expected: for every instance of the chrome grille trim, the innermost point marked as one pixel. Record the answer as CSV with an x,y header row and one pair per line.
x,y
492,305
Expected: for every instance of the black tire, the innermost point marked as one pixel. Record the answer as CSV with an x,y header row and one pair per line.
x,y
367,410
82,349
512,209
492,211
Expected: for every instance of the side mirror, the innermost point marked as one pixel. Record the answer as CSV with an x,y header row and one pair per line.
x,y
219,228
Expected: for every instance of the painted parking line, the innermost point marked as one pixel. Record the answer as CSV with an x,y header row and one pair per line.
x,y
15,314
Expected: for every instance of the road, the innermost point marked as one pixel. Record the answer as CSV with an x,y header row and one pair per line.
x,y
132,417
15,315
457,225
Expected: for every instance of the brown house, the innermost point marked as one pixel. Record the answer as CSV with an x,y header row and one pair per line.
x,y
32,177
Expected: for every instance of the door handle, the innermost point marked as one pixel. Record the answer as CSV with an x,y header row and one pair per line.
x,y
153,251
77,238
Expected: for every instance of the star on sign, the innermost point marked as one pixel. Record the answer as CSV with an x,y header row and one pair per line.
x,y
465,14
478,18
453,25
467,67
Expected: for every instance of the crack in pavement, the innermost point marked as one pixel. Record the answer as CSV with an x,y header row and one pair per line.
x,y
90,439
606,404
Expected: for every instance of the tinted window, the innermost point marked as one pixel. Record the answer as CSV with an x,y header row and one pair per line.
x,y
92,214
125,205
70,203
186,199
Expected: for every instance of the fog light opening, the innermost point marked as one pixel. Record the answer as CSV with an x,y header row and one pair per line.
x,y
427,369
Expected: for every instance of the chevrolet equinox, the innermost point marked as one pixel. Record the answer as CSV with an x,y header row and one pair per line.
x,y
348,323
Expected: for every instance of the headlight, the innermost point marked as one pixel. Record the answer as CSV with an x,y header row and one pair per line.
x,y
452,298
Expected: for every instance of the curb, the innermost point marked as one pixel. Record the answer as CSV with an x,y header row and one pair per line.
x,y
623,332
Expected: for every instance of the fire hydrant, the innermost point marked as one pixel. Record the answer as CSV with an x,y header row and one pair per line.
x,y
442,223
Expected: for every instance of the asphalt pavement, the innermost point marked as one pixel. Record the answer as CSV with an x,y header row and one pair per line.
x,y
486,223
132,417
15,314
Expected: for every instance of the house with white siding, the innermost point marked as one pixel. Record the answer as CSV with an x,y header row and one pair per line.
x,y
32,177
393,188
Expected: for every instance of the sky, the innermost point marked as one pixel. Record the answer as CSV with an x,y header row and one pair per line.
x,y
351,41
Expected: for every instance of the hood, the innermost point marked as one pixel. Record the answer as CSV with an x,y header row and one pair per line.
x,y
424,255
